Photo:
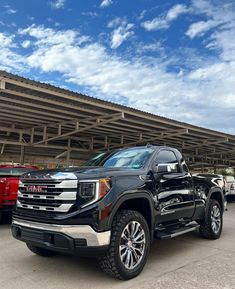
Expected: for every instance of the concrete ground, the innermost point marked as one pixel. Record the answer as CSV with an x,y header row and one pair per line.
x,y
184,262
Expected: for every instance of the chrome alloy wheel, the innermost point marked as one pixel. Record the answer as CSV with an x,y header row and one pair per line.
x,y
132,245
215,219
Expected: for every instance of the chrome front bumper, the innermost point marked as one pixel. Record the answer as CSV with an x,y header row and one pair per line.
x,y
93,238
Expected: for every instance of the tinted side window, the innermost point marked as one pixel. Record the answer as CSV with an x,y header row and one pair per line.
x,y
166,157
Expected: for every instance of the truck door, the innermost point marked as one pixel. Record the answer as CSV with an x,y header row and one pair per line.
x,y
173,188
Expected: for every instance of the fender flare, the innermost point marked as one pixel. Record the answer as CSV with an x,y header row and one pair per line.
x,y
131,196
215,190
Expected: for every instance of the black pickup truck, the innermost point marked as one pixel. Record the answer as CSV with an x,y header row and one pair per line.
x,y
115,206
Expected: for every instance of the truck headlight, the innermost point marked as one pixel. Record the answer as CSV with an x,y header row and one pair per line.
x,y
93,190
87,190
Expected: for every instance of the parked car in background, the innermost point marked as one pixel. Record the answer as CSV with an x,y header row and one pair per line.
x,y
9,184
231,187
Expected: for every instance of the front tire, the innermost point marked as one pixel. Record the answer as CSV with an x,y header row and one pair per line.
x,y
212,225
40,251
129,246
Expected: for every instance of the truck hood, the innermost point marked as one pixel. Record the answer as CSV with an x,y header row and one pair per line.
x,y
81,173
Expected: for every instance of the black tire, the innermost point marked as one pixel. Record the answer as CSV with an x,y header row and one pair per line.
x,y
111,262
40,251
207,229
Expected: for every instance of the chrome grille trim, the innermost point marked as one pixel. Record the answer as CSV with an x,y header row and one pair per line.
x,y
55,184
65,196
43,200
62,208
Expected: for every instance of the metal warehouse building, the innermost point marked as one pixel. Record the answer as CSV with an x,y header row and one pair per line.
x,y
46,124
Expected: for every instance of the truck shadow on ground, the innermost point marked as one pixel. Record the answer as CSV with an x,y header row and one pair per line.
x,y
81,269
165,256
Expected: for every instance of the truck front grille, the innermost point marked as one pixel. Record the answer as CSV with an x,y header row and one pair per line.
x,y
47,195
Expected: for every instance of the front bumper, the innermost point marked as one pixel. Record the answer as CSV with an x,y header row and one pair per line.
x,y
74,239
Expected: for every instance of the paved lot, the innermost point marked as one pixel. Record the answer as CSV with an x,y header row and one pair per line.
x,y
185,262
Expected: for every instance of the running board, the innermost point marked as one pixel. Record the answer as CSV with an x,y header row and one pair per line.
x,y
163,235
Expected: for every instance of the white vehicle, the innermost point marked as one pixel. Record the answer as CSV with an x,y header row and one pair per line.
x,y
231,186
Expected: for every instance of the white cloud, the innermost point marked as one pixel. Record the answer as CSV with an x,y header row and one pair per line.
x,y
200,28
120,34
176,11
90,14
10,60
26,44
9,9
155,24
141,15
152,46
156,47
219,16
6,41
48,36
105,3
31,18
58,4
163,22
117,22
224,41
222,18
142,83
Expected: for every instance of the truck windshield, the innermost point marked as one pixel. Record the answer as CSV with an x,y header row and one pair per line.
x,y
134,158
96,160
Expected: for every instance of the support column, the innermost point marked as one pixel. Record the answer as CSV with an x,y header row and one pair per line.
x,y
22,153
68,158
68,153
2,84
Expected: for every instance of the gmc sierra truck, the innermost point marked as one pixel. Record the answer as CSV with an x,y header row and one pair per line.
x,y
115,206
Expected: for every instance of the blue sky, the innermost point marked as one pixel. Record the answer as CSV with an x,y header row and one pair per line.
x,y
171,58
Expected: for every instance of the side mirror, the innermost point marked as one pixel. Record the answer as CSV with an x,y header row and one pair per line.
x,y
163,168
166,168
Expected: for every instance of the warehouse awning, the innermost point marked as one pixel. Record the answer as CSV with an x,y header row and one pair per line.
x,y
54,122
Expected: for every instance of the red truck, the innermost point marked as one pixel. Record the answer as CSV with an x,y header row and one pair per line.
x,y
9,183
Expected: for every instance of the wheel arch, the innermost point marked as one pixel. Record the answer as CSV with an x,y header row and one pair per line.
x,y
140,202
216,194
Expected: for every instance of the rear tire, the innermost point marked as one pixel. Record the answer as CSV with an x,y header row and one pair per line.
x,y
129,246
40,251
212,225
